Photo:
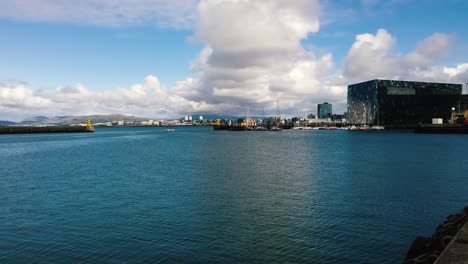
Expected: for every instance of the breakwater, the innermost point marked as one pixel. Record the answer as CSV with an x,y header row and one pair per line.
x,y
45,129
428,249
443,129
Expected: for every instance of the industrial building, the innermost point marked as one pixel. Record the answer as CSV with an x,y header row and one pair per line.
x,y
393,103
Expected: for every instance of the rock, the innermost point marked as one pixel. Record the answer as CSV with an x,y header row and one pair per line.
x,y
425,250
418,247
445,241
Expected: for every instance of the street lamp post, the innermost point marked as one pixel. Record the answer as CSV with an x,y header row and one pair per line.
x,y
453,112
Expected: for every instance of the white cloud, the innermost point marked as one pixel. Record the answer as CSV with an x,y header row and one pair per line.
x,y
373,56
17,96
149,98
164,13
253,55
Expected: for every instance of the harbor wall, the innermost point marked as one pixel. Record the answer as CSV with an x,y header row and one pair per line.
x,y
46,129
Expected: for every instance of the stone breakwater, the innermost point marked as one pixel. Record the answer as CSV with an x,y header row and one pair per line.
x,y
428,249
46,129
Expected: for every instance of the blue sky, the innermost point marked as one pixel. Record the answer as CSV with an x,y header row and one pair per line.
x,y
53,54
165,58
409,21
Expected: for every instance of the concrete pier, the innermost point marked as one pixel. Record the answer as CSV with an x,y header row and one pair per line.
x,y
442,129
456,251
448,244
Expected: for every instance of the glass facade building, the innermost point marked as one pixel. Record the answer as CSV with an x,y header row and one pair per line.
x,y
403,103
324,110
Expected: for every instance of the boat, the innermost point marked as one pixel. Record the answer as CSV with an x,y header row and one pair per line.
x,y
170,129
275,128
247,121
220,127
260,128
237,128
378,126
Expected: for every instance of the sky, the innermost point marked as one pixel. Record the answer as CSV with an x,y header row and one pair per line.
x,y
170,58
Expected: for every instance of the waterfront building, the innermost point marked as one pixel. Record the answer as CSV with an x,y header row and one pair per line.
x,y
324,110
393,103
338,117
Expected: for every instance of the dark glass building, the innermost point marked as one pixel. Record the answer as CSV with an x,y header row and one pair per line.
x,y
403,103
324,110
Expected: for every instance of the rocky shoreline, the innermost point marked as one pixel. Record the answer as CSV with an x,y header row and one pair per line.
x,y
427,249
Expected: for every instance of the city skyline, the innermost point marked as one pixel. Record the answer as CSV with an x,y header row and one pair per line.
x,y
158,58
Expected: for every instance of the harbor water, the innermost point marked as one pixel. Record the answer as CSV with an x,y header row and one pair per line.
x,y
194,195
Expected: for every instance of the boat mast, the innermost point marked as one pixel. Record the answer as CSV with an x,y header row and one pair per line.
x,y
247,119
263,117
279,113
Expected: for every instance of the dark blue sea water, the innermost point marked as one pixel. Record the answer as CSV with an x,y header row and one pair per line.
x,y
145,195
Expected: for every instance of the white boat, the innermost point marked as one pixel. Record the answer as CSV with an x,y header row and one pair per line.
x,y
170,129
275,128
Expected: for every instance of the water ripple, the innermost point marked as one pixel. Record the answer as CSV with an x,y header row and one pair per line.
x,y
198,196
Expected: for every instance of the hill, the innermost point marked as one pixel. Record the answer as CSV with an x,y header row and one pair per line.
x,y
6,123
66,120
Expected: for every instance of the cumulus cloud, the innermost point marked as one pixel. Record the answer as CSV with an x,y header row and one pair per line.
x,y
150,98
253,56
18,96
164,13
373,56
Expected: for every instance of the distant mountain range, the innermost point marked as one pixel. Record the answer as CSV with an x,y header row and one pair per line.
x,y
66,120
6,123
